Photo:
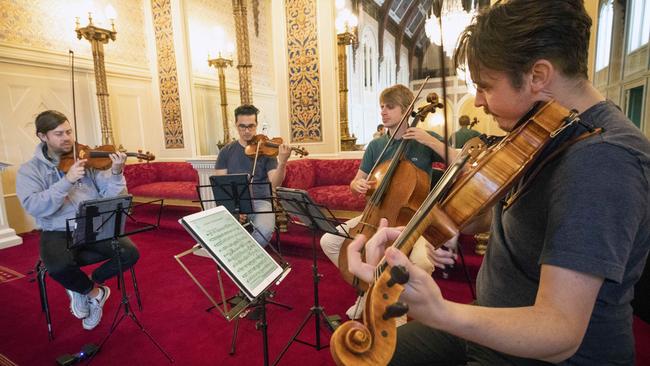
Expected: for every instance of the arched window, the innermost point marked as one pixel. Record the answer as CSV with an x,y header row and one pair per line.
x,y
404,68
389,65
604,40
638,30
369,42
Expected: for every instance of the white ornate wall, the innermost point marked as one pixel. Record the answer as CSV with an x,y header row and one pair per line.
x,y
35,37
203,16
35,75
363,96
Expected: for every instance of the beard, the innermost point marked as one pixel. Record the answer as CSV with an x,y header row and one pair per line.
x,y
61,149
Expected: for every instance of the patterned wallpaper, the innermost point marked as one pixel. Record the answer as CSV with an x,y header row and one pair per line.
x,y
50,24
261,50
170,103
304,73
203,16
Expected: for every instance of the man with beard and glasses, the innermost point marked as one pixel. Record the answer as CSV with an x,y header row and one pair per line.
x,y
52,197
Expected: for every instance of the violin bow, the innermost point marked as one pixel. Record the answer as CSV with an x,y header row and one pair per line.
x,y
74,105
257,154
437,8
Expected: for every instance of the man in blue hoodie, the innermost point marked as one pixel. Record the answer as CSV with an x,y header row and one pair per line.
x,y
52,197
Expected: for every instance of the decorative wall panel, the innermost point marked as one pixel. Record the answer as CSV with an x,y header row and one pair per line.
x,y
49,25
204,16
304,75
170,103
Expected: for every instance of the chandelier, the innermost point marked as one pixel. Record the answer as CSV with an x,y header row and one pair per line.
x,y
454,21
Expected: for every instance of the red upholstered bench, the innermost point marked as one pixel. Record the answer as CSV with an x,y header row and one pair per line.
x,y
327,182
174,181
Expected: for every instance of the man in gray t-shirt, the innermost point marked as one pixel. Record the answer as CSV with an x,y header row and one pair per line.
x,y
262,169
570,240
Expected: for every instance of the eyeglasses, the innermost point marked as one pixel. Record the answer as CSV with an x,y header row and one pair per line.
x,y
246,127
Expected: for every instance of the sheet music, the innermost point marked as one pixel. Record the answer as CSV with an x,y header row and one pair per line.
x,y
237,250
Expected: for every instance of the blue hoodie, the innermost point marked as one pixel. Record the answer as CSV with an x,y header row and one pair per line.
x,y
51,199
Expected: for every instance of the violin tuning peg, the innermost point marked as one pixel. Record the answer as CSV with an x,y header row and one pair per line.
x,y
395,310
398,274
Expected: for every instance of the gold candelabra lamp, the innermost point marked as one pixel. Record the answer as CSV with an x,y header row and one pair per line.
x,y
98,37
220,63
346,27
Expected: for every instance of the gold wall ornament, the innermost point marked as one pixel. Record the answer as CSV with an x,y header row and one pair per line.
x,y
220,63
304,71
243,52
170,103
98,37
348,143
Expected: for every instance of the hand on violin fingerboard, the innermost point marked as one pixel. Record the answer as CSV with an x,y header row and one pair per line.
x,y
361,185
284,151
76,171
421,292
417,134
118,159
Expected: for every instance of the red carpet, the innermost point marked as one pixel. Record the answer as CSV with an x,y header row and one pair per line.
x,y
174,310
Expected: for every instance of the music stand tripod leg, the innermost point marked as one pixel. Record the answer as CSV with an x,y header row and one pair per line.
x,y
316,311
233,341
125,299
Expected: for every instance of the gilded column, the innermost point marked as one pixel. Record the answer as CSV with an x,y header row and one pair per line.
x,y
243,52
98,37
220,64
348,143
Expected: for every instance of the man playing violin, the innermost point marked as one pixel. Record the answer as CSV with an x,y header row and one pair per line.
x,y
233,160
52,197
429,148
558,276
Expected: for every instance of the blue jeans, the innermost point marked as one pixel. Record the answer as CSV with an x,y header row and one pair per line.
x,y
263,223
64,264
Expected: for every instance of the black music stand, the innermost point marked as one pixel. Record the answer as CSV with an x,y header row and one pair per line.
x,y
238,253
303,211
105,219
233,191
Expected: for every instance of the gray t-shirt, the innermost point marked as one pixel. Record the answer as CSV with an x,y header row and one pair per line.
x,y
420,155
587,210
232,158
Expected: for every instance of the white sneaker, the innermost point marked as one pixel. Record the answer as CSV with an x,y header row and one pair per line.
x,y
78,304
96,304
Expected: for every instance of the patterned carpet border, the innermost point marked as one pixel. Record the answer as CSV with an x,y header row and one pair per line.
x,y
8,275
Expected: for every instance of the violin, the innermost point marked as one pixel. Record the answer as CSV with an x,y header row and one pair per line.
x,y
97,158
262,145
450,206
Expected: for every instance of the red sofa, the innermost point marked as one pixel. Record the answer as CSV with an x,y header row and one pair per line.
x,y
175,181
328,182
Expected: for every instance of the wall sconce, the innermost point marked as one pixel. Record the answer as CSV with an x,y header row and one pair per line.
x,y
346,27
220,63
98,37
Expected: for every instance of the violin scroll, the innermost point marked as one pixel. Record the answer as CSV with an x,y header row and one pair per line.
x,y
433,103
474,122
